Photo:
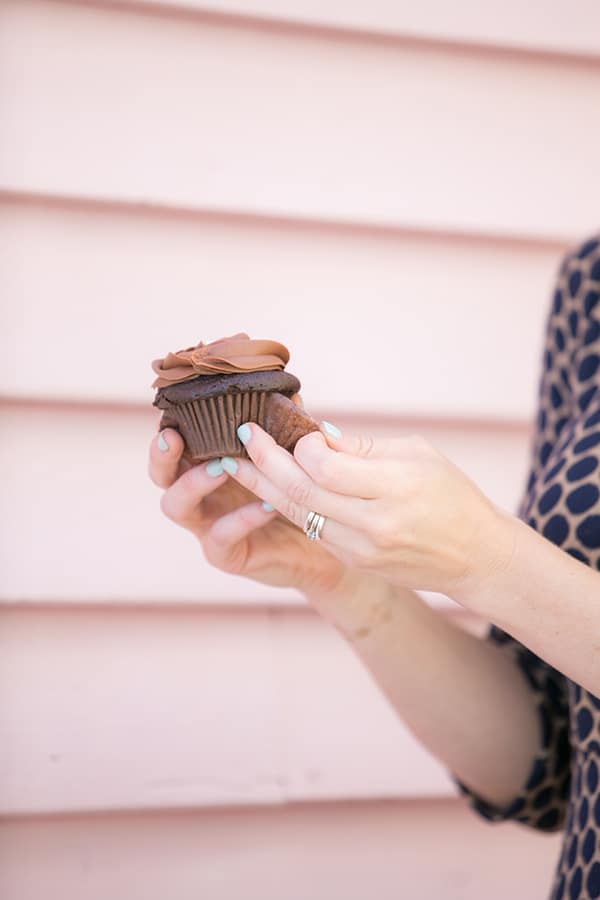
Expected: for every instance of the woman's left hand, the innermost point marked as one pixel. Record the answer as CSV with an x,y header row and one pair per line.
x,y
396,508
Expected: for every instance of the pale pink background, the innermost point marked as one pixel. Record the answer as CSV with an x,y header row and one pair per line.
x,y
387,187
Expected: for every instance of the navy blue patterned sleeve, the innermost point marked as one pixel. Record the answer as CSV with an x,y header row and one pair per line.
x,y
568,393
542,802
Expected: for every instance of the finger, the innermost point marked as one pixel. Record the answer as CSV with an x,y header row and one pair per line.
x,y
275,475
182,502
164,457
348,545
233,527
341,472
334,533
224,546
344,541
367,447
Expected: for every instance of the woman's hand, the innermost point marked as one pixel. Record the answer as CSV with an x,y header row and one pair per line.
x,y
238,535
394,508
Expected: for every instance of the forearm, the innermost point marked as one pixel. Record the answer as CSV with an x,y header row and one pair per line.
x,y
464,699
547,600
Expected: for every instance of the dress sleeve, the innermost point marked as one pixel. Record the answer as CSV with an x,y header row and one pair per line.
x,y
543,800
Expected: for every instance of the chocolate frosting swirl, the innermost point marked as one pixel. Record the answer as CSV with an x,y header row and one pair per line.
x,y
237,353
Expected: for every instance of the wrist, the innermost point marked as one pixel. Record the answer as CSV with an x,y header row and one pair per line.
x,y
362,604
323,594
490,562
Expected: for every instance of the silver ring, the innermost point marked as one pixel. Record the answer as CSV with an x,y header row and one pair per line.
x,y
313,526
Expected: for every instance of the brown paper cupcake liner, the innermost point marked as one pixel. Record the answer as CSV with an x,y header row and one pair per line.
x,y
209,426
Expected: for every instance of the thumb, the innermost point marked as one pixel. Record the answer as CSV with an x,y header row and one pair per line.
x,y
363,445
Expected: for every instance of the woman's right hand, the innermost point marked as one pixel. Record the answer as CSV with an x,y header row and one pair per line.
x,y
237,534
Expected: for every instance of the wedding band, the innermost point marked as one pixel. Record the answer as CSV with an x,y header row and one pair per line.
x,y
314,526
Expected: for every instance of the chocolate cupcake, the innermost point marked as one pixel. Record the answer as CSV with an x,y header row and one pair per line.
x,y
206,392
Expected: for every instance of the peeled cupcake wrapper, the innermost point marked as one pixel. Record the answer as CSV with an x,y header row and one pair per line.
x,y
209,426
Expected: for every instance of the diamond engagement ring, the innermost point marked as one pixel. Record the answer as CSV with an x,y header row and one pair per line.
x,y
314,526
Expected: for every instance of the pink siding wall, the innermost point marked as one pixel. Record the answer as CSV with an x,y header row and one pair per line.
x,y
337,851
381,181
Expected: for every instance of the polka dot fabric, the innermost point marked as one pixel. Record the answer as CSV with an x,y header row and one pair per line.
x,y
562,502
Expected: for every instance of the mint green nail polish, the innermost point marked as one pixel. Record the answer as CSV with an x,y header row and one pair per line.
x,y
214,468
229,465
267,506
244,434
331,429
162,444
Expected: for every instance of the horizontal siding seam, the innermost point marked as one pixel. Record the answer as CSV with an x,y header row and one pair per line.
x,y
229,810
357,420
222,608
256,218
341,33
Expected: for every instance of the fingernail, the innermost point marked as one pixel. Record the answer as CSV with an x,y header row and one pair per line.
x,y
229,465
214,468
267,506
244,434
331,430
162,444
